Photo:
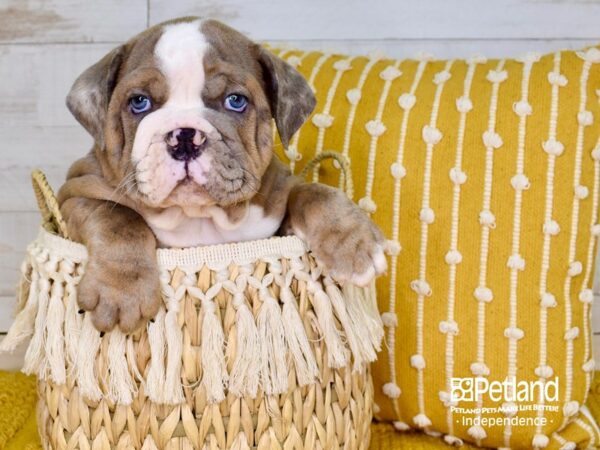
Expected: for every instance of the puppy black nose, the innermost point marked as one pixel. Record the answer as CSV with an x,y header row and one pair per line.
x,y
185,144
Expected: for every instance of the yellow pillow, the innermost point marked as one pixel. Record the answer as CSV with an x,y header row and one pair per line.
x,y
485,177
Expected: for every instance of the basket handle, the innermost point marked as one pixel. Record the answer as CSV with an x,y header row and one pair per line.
x,y
342,160
52,219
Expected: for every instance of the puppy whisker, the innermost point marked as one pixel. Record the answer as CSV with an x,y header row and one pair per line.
x,y
123,187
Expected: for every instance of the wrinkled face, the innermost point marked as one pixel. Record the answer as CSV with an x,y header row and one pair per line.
x,y
186,118
198,121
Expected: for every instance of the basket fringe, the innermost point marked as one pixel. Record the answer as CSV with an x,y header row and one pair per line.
x,y
245,372
273,371
156,373
173,391
362,308
73,322
337,353
23,326
265,346
35,358
120,383
89,344
297,341
55,340
133,364
214,370
359,343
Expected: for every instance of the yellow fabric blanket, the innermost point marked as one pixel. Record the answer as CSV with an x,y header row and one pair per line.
x,y
18,427
17,412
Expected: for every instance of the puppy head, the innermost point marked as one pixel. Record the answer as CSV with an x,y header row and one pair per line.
x,y
181,114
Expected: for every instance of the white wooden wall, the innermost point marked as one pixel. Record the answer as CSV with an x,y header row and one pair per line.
x,y
45,44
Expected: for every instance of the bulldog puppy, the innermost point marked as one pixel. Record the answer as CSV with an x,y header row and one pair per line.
x,y
183,156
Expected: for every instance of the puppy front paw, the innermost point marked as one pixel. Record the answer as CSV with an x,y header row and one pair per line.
x,y
124,293
350,246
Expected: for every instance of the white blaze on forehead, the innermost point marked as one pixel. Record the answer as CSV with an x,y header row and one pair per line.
x,y
180,54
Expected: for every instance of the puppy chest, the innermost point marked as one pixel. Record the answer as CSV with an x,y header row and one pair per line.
x,y
195,231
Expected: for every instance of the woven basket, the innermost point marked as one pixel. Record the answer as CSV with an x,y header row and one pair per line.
x,y
254,346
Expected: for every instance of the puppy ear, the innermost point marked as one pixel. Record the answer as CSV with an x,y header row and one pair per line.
x,y
291,98
90,94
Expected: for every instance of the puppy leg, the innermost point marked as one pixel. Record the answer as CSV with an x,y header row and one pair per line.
x,y
337,231
121,281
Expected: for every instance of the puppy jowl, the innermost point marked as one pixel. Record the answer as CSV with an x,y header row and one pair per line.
x,y
183,156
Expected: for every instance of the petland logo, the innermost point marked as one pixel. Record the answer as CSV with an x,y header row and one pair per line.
x,y
509,390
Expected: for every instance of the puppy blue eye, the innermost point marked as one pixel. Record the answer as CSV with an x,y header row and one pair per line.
x,y
236,102
139,104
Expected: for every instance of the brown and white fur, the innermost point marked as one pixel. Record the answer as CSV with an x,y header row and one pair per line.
x,y
130,194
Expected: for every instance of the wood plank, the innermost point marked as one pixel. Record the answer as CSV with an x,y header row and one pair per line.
x,y
7,306
37,130
17,230
15,184
439,48
596,314
596,287
36,80
71,20
51,149
426,19
54,21
13,361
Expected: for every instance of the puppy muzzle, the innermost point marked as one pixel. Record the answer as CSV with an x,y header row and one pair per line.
x,y
178,131
185,144
171,146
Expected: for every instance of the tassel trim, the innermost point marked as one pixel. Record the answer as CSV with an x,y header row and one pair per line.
x,y
270,330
